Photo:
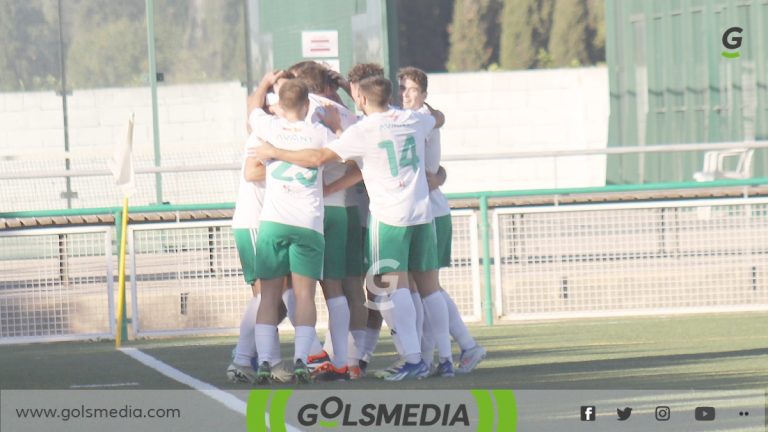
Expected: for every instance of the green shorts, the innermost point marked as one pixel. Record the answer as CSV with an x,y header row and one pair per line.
x,y
355,249
245,241
335,229
284,249
444,232
401,249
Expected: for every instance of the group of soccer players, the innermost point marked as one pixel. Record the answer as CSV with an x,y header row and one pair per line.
x,y
354,204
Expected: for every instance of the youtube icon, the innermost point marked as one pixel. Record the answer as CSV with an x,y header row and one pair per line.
x,y
705,413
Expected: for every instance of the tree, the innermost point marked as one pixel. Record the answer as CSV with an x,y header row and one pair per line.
x,y
596,10
423,33
525,26
474,35
29,53
570,37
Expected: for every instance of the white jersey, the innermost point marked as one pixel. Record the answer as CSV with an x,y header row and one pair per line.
x,y
389,149
332,171
294,194
250,195
432,152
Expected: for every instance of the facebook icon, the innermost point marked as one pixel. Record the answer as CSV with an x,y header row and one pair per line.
x,y
588,413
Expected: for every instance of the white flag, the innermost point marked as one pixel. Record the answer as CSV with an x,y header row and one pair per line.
x,y
121,163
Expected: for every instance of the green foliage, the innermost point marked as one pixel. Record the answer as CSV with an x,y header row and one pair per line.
x,y
423,37
525,27
105,42
569,40
596,10
29,53
474,35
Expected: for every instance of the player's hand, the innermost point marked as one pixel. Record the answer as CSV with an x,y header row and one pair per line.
x,y
337,79
263,152
437,179
331,117
270,78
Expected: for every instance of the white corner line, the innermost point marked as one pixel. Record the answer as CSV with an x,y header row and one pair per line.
x,y
228,400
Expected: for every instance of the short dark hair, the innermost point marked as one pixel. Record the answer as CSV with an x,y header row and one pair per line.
x,y
293,94
377,89
362,71
414,74
313,74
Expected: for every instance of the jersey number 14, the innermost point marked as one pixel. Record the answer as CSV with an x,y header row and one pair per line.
x,y
408,157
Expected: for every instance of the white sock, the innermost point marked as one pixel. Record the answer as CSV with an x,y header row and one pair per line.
x,y
456,325
338,322
371,340
302,343
289,298
328,341
275,356
417,304
356,347
404,316
264,334
427,344
437,313
388,314
246,342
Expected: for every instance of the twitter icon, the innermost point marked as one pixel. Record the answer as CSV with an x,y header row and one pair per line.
x,y
624,413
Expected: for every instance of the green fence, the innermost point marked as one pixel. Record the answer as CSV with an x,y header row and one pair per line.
x,y
670,82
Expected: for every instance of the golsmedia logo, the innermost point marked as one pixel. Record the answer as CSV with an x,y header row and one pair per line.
x,y
732,41
350,410
382,414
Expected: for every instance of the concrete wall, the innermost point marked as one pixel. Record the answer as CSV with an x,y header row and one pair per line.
x,y
190,116
502,112
487,112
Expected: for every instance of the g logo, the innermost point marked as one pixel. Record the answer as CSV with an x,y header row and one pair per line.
x,y
732,43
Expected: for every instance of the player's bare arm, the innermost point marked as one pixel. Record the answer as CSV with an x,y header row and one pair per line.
x,y
437,114
332,119
437,179
258,99
254,170
307,158
352,177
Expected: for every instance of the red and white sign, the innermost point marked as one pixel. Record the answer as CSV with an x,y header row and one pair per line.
x,y
320,44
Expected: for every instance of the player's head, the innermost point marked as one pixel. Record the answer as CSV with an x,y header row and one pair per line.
x,y
294,99
313,74
360,72
413,87
374,93
287,75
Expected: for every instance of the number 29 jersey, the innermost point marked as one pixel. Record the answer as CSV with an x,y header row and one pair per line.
x,y
294,194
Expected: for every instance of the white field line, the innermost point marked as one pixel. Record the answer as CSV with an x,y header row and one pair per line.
x,y
228,400
86,386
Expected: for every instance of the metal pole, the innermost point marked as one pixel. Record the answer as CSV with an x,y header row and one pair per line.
x,y
485,234
248,49
150,5
62,64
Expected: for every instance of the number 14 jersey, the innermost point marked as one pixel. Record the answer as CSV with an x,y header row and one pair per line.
x,y
389,149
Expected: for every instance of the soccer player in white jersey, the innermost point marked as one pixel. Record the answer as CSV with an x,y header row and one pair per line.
x,y
290,237
413,84
245,224
388,145
339,301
